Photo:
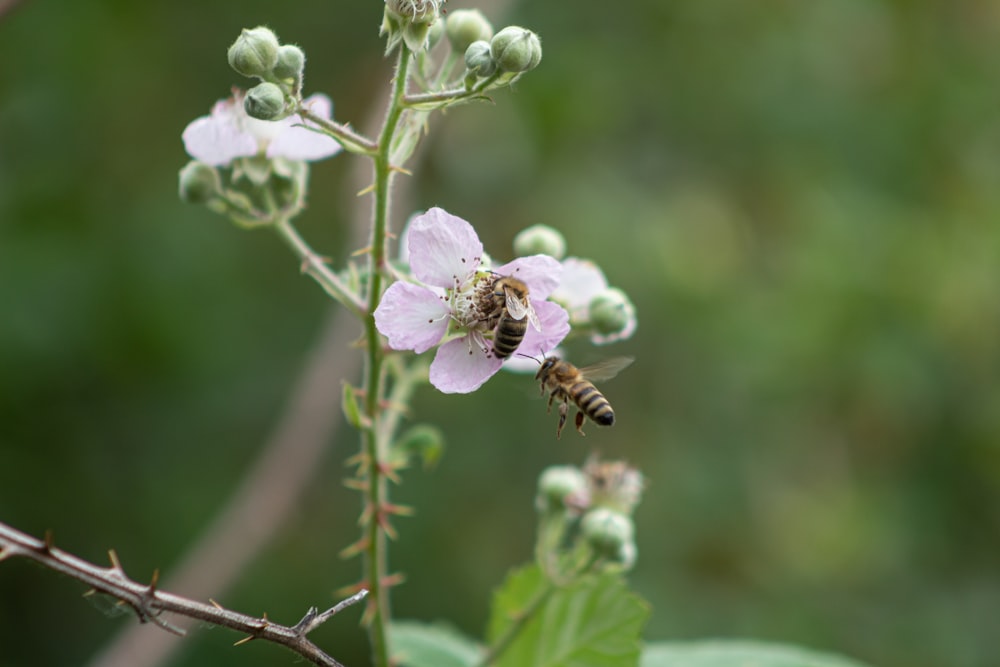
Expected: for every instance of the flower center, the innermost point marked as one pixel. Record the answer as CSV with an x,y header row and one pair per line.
x,y
472,303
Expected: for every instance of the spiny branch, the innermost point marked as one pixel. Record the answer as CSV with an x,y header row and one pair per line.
x,y
149,603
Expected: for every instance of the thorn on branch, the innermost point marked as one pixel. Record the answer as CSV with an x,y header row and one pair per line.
x,y
49,541
116,564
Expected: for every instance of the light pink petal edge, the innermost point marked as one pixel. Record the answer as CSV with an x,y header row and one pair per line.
x,y
411,317
555,327
460,366
541,273
444,249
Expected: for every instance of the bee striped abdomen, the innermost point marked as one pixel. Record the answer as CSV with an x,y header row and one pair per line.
x,y
508,336
592,403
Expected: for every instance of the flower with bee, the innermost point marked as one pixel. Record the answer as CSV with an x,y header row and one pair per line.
x,y
458,302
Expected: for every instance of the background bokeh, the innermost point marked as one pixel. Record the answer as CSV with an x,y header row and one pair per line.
x,y
801,198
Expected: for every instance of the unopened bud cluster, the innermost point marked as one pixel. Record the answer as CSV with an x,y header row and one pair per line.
x,y
512,51
603,495
257,53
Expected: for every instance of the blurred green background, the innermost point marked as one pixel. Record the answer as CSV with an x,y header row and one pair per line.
x,y
801,198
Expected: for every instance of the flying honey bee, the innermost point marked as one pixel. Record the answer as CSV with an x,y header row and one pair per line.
x,y
566,383
512,312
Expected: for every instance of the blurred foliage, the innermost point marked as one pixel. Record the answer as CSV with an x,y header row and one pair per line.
x,y
800,197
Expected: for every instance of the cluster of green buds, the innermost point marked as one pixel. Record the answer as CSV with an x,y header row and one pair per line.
x,y
250,154
256,53
506,55
586,516
604,313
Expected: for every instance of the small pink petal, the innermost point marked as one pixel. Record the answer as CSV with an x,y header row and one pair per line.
x,y
217,140
299,143
555,326
444,249
541,273
460,366
411,317
582,280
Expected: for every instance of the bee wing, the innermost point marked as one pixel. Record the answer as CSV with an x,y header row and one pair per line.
x,y
606,369
517,307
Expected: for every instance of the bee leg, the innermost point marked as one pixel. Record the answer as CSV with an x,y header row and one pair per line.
x,y
579,423
549,408
563,412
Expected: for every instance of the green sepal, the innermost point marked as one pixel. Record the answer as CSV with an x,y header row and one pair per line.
x,y
349,404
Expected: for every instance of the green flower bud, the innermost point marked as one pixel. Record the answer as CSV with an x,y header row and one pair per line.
x,y
198,183
414,11
478,59
516,49
291,62
612,312
609,533
265,101
435,34
559,487
255,52
465,26
540,240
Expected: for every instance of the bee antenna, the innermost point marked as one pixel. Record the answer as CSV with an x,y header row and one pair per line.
x,y
528,356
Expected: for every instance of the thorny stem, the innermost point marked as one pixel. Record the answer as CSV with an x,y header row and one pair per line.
x,y
343,134
315,266
149,603
376,566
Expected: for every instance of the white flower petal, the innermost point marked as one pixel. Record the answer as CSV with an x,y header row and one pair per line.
x,y
541,273
582,280
295,142
411,317
217,140
460,366
444,249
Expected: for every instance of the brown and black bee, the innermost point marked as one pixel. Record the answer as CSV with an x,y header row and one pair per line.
x,y
513,312
565,382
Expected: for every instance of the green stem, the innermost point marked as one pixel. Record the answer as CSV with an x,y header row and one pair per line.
x,y
343,134
314,265
454,95
376,560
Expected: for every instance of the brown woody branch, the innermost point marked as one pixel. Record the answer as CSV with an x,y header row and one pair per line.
x,y
148,603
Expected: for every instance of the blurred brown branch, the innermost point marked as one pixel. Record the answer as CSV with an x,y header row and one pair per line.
x,y
148,603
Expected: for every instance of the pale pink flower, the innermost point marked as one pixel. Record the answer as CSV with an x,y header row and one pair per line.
x,y
229,133
582,280
448,306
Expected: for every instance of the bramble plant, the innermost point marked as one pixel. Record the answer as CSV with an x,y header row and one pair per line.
x,y
250,164
441,291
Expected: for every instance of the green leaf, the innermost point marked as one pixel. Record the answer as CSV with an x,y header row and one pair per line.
x,y
593,622
349,402
424,441
416,644
736,653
